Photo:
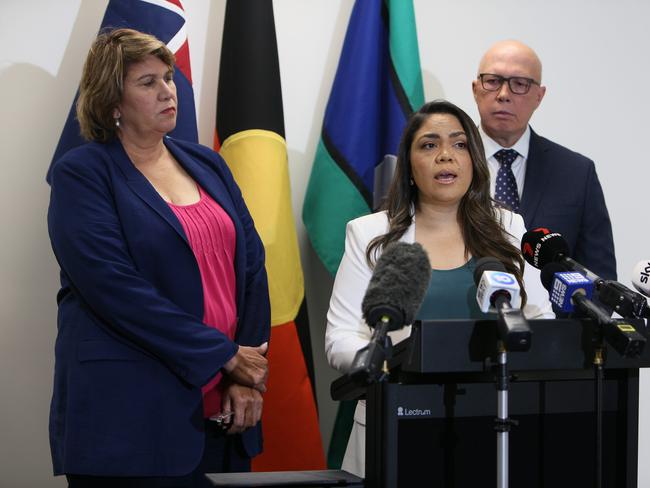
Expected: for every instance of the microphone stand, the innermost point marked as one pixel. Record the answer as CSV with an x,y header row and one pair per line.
x,y
598,400
626,341
513,334
370,363
502,423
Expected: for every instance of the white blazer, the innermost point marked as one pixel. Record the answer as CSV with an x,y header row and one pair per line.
x,y
347,332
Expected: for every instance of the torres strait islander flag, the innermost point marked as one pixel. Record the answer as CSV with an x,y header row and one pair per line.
x,y
250,137
164,19
378,84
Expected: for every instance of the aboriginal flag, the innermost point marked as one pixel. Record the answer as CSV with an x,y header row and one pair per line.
x,y
250,137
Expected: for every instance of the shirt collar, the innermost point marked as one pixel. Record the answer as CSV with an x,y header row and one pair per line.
x,y
491,146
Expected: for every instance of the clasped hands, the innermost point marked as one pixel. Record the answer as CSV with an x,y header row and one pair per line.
x,y
244,384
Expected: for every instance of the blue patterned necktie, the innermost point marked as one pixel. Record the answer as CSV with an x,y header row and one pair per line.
x,y
505,189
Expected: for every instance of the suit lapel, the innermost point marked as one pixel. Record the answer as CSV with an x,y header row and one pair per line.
x,y
213,185
141,186
536,178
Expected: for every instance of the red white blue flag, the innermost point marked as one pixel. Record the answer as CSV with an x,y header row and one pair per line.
x,y
164,19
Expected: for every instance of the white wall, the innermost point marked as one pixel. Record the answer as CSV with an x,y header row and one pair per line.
x,y
596,68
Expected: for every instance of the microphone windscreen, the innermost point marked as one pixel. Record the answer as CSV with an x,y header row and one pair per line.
x,y
641,277
488,263
397,285
541,246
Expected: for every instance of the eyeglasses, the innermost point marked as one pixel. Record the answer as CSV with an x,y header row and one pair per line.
x,y
518,85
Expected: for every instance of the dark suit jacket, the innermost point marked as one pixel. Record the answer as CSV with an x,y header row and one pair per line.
x,y
132,352
563,194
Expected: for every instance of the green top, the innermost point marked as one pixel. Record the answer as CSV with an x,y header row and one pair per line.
x,y
452,295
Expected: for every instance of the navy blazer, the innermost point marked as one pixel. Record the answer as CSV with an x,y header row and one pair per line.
x,y
132,352
562,193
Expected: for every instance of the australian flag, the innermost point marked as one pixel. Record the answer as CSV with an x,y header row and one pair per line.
x,y
164,19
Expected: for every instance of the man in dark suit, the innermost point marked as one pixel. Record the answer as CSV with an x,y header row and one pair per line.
x,y
548,184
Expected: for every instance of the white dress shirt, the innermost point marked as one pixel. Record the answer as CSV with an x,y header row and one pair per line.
x,y
518,166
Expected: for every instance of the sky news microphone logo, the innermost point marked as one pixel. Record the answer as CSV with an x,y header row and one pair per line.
x,y
641,277
644,272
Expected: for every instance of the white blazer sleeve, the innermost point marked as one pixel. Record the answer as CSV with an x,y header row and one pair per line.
x,y
347,332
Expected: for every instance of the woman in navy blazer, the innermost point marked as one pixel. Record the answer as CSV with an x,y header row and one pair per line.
x,y
132,351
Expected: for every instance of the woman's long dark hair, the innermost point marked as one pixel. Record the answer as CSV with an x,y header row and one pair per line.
x,y
478,213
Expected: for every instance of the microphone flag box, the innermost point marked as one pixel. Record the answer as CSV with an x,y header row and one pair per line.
x,y
565,285
495,281
641,277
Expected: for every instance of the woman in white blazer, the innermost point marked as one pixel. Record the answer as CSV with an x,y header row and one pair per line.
x,y
440,198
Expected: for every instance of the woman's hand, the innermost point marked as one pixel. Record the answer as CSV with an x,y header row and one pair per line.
x,y
249,367
245,404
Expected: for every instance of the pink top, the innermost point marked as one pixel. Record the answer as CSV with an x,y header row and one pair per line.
x,y
211,235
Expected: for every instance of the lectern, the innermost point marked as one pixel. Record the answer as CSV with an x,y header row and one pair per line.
x,y
431,423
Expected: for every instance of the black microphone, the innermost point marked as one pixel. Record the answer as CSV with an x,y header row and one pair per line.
x,y
393,297
571,293
495,287
541,247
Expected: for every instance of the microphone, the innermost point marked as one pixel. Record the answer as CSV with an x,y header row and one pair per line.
x,y
571,291
641,277
393,297
563,285
541,247
497,290
397,285
493,281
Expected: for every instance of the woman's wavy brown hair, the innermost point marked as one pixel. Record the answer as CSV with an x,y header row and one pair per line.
x,y
102,78
478,214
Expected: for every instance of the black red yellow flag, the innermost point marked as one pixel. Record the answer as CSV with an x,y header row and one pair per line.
x,y
250,137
